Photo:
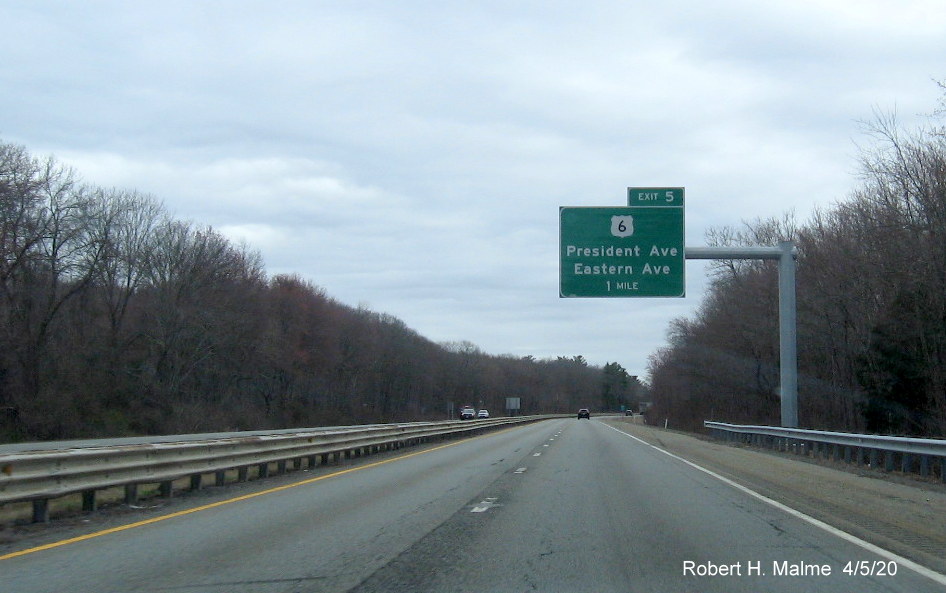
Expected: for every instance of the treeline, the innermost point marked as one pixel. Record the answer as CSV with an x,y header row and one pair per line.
x,y
118,319
871,294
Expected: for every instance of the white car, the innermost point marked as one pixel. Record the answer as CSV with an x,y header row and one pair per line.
x,y
482,414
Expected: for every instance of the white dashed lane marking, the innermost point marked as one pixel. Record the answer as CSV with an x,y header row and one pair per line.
x,y
485,505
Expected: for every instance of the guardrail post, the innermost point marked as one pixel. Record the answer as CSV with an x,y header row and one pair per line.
x,y
131,494
906,463
220,478
88,501
166,489
196,481
41,510
924,465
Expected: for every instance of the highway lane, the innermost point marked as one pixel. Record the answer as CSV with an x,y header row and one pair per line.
x,y
325,535
600,511
561,505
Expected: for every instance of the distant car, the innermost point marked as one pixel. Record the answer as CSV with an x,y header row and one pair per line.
x,y
467,413
482,414
584,413
628,412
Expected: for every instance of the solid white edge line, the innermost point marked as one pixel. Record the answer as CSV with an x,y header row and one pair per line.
x,y
900,560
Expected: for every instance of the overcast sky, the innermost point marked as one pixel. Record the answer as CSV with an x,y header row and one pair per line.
x,y
412,156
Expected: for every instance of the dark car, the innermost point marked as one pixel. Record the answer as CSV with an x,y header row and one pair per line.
x,y
584,413
467,413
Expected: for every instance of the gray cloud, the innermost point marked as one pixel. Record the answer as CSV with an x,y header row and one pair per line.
x,y
412,156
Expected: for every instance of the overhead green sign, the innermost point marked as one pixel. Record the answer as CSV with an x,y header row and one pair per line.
x,y
622,251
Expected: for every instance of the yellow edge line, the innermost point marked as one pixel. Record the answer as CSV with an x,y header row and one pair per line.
x,y
221,503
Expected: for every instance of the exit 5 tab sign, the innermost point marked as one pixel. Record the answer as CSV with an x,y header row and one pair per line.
x,y
634,251
655,196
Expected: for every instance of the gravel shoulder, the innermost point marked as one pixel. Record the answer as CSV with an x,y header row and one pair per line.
x,y
902,514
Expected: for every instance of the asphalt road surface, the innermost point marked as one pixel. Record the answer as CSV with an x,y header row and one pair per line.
x,y
558,506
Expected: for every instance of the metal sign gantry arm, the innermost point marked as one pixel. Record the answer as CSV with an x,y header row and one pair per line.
x,y
785,253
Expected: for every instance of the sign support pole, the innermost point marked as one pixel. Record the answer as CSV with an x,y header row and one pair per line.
x,y
788,346
785,253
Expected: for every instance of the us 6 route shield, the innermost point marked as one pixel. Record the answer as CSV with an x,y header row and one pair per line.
x,y
621,252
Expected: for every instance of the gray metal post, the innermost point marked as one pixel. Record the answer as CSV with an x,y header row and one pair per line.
x,y
788,350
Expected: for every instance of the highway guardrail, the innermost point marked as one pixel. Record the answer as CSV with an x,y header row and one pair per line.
x,y
910,455
38,476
